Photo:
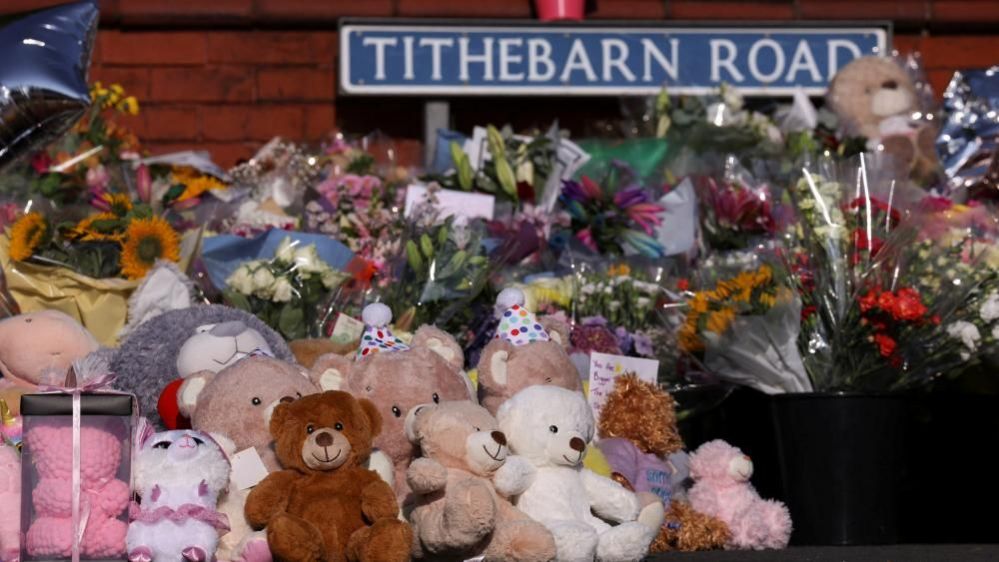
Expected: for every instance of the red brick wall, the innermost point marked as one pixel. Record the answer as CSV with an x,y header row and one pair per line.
x,y
227,75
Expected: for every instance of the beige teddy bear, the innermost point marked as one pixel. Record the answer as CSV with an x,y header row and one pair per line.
x,y
875,97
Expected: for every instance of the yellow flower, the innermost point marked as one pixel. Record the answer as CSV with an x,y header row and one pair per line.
x,y
146,241
768,300
129,105
699,303
26,235
719,321
85,230
619,270
688,339
120,203
198,186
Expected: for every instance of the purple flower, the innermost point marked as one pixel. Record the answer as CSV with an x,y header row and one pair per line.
x,y
624,338
643,344
594,321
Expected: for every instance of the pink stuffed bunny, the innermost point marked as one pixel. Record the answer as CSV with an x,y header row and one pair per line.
x,y
721,488
103,497
10,503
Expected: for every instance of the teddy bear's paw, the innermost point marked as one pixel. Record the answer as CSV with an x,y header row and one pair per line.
x,y
574,541
255,550
104,539
388,540
49,536
778,522
521,541
140,554
627,542
653,514
293,538
469,512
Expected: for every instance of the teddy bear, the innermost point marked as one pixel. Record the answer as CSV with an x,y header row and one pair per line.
x,y
10,503
396,377
876,98
526,351
549,427
457,514
39,348
48,442
640,438
721,488
325,506
149,358
179,475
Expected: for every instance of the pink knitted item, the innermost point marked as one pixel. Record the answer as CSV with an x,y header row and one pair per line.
x,y
721,489
103,498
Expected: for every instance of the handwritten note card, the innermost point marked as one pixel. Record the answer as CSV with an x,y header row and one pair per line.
x,y
605,368
451,202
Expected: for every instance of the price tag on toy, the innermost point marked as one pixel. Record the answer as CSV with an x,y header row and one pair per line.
x,y
247,469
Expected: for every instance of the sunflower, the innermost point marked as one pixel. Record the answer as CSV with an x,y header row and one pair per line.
x,y
97,228
118,203
26,235
198,186
146,241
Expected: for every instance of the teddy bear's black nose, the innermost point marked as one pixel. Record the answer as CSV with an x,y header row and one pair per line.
x,y
577,444
499,437
889,84
324,439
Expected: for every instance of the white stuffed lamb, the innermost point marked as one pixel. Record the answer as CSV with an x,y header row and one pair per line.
x,y
179,475
550,427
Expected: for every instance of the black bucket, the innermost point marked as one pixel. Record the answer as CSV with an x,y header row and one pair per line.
x,y
841,466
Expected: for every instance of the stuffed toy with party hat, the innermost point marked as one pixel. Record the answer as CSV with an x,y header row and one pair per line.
x,y
526,351
325,505
38,348
179,476
549,427
396,377
640,438
458,514
721,488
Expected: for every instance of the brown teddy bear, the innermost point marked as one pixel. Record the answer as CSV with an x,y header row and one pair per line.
x,y
458,514
640,438
527,351
875,97
396,377
324,506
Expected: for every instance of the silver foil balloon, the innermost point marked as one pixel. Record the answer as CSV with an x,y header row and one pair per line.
x,y
44,58
968,143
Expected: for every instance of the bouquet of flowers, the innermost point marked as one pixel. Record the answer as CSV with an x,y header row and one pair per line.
x,y
88,159
733,214
287,292
615,216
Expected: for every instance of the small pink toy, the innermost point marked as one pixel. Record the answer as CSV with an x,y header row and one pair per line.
x,y
721,488
10,503
103,497
179,475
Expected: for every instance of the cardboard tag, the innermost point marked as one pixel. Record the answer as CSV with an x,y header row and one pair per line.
x,y
452,203
346,329
605,368
247,469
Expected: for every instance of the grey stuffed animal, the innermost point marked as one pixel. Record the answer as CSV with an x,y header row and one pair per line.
x,y
146,361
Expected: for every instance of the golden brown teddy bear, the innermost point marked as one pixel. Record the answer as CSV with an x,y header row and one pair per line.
x,y
324,506
874,97
640,438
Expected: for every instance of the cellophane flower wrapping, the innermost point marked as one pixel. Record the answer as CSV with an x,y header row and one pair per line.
x,y
884,303
968,142
289,291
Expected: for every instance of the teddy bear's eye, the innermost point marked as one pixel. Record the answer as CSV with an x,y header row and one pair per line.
x,y
255,401
338,426
477,429
396,411
309,429
553,428
162,445
437,399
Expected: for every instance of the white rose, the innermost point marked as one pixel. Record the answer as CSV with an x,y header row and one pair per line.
x,y
331,278
241,280
966,332
990,308
307,259
285,251
263,282
283,291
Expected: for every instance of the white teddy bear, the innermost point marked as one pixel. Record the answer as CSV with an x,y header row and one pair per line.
x,y
179,475
549,427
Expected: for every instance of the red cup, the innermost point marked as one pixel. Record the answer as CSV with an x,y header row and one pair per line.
x,y
552,10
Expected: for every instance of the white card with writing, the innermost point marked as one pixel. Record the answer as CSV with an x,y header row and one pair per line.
x,y
605,368
346,329
452,203
247,469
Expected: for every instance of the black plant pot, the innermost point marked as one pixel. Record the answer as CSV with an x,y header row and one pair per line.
x,y
841,464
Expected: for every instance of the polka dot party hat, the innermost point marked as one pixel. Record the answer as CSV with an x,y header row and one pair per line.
x,y
377,337
517,325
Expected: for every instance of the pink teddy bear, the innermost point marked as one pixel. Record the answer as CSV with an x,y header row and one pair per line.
x,y
103,497
10,503
721,489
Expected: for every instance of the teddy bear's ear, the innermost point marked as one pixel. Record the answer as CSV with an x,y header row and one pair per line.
x,y
187,396
557,330
441,343
371,412
279,417
493,363
330,372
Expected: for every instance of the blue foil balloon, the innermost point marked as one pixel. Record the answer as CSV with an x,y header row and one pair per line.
x,y
44,58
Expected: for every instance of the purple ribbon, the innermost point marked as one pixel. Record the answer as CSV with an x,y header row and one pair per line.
x,y
183,513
